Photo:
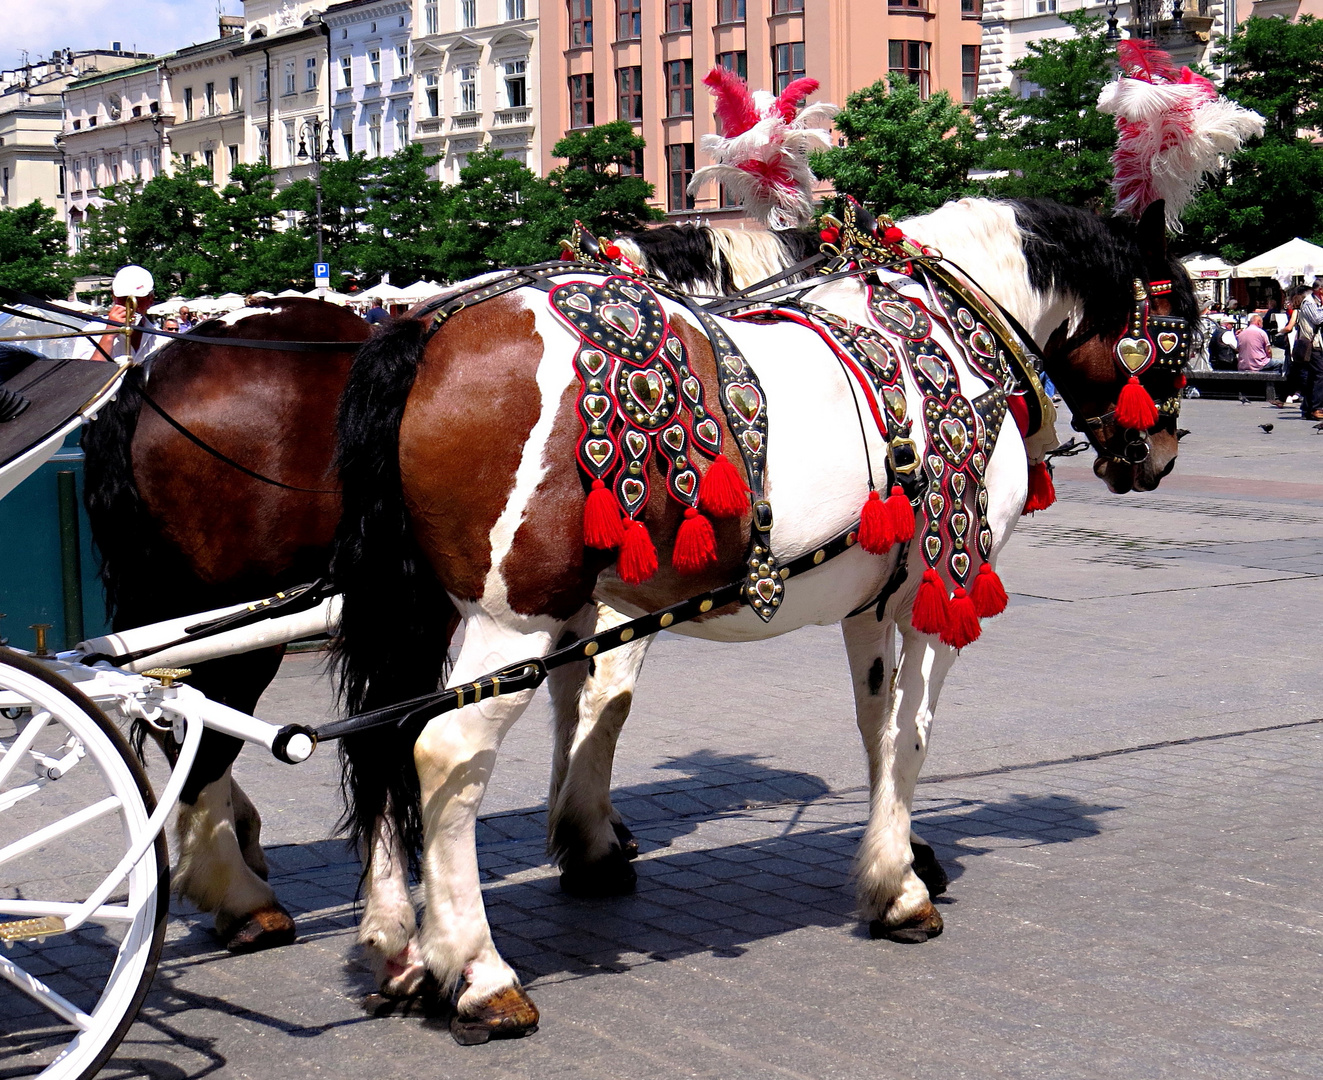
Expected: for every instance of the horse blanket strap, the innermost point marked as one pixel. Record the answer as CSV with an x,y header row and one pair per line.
x,y
202,445
413,714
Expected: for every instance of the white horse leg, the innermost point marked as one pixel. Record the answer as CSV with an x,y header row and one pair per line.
x,y
454,756
585,834
213,874
248,830
388,930
894,707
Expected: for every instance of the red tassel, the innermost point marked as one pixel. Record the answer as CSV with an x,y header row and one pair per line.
x,y
1042,492
988,593
962,624
876,532
928,616
1134,408
601,518
902,515
695,544
723,493
1019,408
638,558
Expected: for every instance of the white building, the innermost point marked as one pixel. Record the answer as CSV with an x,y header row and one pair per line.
x,y
372,87
204,87
477,78
1010,25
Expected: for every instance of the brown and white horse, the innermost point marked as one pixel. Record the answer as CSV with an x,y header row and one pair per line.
x,y
181,531
463,499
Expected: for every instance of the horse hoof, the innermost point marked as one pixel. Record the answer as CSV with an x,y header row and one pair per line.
x,y
403,975
929,870
266,928
629,847
924,924
507,1014
612,876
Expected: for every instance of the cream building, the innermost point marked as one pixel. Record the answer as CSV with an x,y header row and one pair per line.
x,y
204,86
477,80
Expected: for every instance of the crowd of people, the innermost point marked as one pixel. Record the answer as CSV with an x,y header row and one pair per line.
x,y
1285,340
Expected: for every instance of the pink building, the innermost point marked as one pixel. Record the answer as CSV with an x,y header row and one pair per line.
x,y
644,61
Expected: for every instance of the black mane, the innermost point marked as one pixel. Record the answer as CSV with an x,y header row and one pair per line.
x,y
686,256
1095,259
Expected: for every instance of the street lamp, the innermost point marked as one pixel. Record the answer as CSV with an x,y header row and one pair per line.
x,y
1113,32
311,132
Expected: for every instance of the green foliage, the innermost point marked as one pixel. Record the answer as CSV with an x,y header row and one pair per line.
x,y
247,251
401,237
592,185
1056,145
1273,189
33,255
902,155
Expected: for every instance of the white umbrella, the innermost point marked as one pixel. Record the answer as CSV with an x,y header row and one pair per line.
x,y
417,293
385,291
330,296
1294,258
168,307
290,292
1207,266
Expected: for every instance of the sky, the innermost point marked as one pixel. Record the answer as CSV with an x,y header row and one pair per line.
x,y
157,26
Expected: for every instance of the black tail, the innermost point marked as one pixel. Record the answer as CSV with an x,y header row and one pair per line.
x,y
396,621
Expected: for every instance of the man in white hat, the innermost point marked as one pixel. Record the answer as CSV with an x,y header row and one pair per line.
x,y
134,292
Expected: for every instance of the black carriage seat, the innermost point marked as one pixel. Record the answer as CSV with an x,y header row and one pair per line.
x,y
38,395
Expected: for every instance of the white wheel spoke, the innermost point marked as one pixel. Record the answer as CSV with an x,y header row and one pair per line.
x,y
32,909
40,992
60,828
18,794
18,749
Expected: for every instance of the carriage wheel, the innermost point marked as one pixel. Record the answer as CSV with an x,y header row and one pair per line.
x,y
73,801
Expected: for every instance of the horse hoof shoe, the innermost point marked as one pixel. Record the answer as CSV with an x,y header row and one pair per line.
x,y
507,1014
929,870
918,928
266,928
612,876
629,847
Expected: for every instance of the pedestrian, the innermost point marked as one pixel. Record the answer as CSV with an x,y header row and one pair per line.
x,y
134,288
171,324
1222,345
186,322
1308,350
376,313
1295,372
1253,349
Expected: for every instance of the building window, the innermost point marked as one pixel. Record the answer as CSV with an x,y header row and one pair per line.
x,y
209,161
629,89
581,101
347,137
137,165
310,73
233,150
78,174
93,180
291,78
971,9
679,15
679,171
374,65
634,166
188,103
730,11
737,62
680,88
156,161
1044,7
515,10
909,60
432,93
468,88
264,144
289,142
968,72
401,61
516,84
912,5
374,135
235,103
346,71
402,128
209,99
581,23
431,18
263,84
629,19
780,6
62,192
188,160
468,14
788,65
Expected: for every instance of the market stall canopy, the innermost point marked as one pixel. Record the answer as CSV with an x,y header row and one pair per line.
x,y
1290,258
289,292
330,296
1206,266
417,293
385,291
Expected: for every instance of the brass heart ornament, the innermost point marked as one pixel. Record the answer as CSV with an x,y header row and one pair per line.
x,y
1134,353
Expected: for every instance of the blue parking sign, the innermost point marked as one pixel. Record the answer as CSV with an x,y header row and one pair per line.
x,y
321,274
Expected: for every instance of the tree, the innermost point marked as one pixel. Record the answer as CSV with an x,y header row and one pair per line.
x,y
344,211
1054,144
1273,189
400,236
597,184
902,155
34,252
248,252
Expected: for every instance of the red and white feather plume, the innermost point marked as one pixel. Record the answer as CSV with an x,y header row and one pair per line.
x,y
762,152
1173,127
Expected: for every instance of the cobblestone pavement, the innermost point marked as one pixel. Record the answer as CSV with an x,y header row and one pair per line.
x,y
1122,785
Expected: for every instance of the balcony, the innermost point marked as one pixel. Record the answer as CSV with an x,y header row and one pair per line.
x,y
519,117
466,122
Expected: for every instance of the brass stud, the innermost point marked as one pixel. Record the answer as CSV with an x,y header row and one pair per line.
x,y
590,648
706,605
625,635
666,620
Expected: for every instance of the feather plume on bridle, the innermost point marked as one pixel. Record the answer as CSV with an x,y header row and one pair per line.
x,y
762,152
1172,126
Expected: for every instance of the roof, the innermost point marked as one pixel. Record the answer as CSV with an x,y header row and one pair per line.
x,y
275,41
119,73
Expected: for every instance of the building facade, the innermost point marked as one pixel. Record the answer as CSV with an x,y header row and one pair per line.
x,y
644,61
371,76
478,80
204,88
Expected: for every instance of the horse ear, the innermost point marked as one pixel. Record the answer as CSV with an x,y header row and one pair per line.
x,y
1151,233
